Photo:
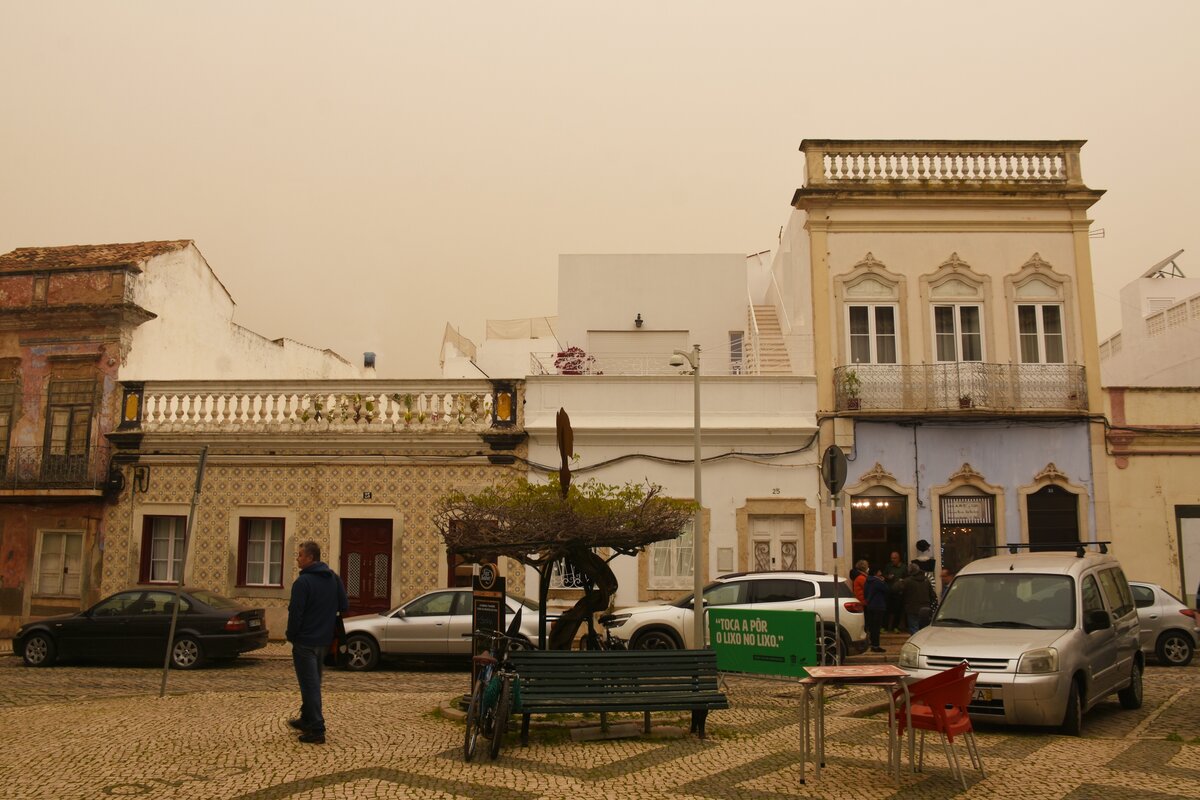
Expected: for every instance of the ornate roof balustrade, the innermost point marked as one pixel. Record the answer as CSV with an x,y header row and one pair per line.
x,y
838,163
279,407
963,386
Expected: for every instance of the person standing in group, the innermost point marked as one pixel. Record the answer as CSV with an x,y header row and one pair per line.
x,y
918,598
947,576
925,559
859,580
893,576
876,593
318,596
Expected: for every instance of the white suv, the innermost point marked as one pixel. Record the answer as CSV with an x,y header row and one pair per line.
x,y
664,626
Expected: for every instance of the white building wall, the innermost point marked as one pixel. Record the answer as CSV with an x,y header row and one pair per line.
x,y
704,295
1158,344
614,416
194,335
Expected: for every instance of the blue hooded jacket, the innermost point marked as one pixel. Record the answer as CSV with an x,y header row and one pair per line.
x,y
875,592
317,597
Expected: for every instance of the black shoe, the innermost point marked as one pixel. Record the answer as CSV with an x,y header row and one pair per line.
x,y
298,724
312,737
878,650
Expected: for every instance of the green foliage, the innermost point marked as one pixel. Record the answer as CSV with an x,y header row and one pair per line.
x,y
532,522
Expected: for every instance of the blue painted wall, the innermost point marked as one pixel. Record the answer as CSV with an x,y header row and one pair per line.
x,y
1007,454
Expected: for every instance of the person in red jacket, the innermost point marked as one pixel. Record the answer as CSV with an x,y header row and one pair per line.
x,y
860,580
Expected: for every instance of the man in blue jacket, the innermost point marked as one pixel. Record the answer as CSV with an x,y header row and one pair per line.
x,y
317,598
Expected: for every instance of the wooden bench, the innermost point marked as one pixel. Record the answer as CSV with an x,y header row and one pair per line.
x,y
580,681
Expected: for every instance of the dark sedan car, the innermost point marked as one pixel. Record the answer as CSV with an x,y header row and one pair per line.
x,y
133,625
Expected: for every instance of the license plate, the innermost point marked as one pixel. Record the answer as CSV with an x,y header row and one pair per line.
x,y
257,623
982,696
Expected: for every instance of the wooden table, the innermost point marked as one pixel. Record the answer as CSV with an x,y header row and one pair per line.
x,y
887,677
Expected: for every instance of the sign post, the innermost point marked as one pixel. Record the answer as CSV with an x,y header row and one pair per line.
x,y
833,473
487,608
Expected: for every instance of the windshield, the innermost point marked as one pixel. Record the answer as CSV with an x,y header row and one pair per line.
x,y
1009,600
686,600
532,605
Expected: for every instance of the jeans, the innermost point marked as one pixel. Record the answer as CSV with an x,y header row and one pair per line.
x,y
914,622
309,662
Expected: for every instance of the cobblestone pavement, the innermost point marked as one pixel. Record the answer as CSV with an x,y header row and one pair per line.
x,y
102,731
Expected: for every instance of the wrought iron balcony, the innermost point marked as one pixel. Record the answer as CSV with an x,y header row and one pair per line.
x,y
34,469
965,386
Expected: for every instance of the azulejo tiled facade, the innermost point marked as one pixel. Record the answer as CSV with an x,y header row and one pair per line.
x,y
325,487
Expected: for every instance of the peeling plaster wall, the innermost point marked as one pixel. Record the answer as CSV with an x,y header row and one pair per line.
x,y
194,335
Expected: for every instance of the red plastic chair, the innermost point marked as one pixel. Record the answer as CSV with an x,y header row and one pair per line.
x,y
943,708
916,688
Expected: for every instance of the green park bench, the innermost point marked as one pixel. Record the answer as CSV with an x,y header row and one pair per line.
x,y
602,681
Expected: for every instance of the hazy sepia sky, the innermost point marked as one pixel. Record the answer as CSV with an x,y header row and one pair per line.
x,y
358,174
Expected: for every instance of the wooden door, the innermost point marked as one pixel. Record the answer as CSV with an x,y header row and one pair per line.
x,y
775,543
366,564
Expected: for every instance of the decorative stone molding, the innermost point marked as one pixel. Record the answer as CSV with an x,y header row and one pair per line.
x,y
870,262
1052,474
1037,262
877,474
967,474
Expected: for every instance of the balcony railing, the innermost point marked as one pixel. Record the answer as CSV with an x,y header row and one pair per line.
x,y
28,468
279,407
966,386
928,162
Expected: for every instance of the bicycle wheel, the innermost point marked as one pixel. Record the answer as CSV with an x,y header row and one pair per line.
x,y
500,724
474,713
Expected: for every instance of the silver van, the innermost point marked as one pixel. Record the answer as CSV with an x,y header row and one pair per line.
x,y
1050,634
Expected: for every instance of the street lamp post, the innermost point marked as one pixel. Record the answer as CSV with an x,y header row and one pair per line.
x,y
693,360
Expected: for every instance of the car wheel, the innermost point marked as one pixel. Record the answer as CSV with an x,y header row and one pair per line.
x,y
655,640
1131,695
1175,649
1072,724
362,654
39,650
187,653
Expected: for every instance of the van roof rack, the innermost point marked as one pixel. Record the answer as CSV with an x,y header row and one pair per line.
x,y
1079,547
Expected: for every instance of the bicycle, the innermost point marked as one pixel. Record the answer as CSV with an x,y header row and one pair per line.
x,y
492,694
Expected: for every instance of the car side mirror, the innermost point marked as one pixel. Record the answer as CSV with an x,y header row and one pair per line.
x,y
1096,620
399,613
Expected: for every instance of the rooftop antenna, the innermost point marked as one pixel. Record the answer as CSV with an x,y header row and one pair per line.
x,y
1167,268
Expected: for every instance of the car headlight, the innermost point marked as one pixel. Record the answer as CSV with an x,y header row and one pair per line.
x,y
1044,659
615,620
909,654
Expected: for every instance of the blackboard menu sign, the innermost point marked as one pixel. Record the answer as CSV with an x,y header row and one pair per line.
x,y
487,606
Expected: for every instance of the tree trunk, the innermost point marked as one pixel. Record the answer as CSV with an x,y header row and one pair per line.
x,y
563,632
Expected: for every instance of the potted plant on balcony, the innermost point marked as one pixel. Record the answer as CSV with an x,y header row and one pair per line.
x,y
573,361
851,387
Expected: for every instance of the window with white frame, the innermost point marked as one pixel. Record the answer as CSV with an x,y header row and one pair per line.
x,y
671,561
1040,332
60,563
162,549
736,364
260,551
872,332
958,332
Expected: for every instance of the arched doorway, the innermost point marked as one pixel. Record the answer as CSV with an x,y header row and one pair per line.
x,y
1053,518
879,526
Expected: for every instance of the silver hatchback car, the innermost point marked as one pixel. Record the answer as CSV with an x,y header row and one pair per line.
x,y
435,625
1168,628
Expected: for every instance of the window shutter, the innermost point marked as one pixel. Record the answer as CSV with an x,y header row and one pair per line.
x,y
144,567
243,533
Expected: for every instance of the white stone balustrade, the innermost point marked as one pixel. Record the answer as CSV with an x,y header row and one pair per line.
x,y
942,162
282,407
